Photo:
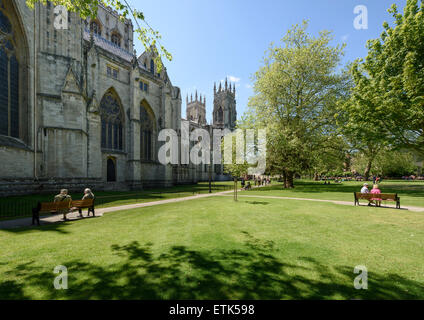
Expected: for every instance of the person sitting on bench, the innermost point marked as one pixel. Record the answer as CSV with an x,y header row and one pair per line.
x,y
63,196
88,195
375,190
366,190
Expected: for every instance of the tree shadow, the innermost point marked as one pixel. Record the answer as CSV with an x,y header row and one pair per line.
x,y
253,271
263,203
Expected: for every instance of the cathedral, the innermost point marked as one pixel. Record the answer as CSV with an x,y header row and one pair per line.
x,y
79,108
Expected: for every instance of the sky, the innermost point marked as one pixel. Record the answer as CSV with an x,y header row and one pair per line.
x,y
214,39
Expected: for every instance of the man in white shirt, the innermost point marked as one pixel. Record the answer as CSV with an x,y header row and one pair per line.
x,y
365,188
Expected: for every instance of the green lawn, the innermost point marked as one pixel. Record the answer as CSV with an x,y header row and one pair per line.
x,y
214,248
20,206
411,193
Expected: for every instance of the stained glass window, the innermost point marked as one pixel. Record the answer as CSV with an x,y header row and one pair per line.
x,y
146,135
5,25
152,66
9,81
112,123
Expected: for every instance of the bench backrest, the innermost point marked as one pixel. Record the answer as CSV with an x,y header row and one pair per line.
x,y
83,203
54,206
383,196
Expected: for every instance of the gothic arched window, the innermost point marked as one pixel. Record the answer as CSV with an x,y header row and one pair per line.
x,y
116,39
220,115
146,134
95,28
9,81
112,123
152,66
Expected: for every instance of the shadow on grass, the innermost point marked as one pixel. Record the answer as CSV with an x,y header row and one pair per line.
x,y
250,272
258,203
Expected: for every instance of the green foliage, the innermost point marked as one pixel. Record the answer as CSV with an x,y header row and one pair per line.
x,y
389,83
388,163
149,37
296,91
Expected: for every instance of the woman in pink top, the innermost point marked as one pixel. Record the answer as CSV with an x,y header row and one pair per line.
x,y
376,190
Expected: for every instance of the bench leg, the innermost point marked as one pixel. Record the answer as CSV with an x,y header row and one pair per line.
x,y
80,213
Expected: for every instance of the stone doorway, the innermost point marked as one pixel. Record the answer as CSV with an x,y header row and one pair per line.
x,y
111,170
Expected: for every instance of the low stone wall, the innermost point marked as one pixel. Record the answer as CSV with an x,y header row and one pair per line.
x,y
14,187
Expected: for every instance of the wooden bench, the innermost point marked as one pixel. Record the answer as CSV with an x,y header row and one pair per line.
x,y
50,207
383,196
63,207
78,205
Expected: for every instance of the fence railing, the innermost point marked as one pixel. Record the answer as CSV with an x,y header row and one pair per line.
x,y
16,207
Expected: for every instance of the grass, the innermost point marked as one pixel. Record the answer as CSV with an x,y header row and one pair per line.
x,y
214,248
411,193
20,206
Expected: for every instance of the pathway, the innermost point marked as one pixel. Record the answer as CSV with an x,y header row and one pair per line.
x,y
25,222
345,203
55,218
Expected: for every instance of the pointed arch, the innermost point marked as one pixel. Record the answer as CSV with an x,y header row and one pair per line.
x,y
112,121
96,27
14,57
220,115
148,132
116,38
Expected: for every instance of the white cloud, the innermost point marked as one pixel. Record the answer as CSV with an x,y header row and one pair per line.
x,y
233,79
248,86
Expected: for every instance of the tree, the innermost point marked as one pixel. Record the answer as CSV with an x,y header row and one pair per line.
x,y
388,163
394,68
149,37
295,97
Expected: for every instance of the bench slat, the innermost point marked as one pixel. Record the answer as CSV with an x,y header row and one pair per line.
x,y
82,204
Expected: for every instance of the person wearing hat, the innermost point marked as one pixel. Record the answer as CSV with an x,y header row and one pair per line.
x,y
366,190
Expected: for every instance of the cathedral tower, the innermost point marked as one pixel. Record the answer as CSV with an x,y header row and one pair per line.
x,y
224,106
196,109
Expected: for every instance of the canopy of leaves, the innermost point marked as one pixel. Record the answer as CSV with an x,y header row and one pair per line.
x,y
296,91
389,83
388,163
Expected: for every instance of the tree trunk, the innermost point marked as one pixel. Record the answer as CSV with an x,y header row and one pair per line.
x,y
288,179
368,169
235,189
316,177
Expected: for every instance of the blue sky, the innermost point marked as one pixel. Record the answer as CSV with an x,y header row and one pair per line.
x,y
211,40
